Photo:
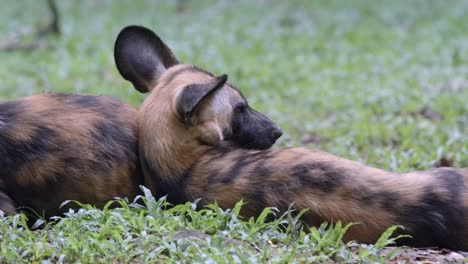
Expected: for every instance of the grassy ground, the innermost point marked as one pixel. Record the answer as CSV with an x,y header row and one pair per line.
x,y
381,82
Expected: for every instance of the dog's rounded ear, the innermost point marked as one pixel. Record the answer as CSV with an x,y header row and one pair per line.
x,y
193,94
142,57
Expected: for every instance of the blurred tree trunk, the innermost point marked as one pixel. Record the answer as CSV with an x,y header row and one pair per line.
x,y
15,41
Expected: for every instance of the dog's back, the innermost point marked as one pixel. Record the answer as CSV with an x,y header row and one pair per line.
x,y
57,147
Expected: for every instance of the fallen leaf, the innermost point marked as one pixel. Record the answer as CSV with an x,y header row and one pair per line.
x,y
430,114
444,161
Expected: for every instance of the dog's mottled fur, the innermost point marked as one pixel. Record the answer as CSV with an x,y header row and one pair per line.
x,y
57,147
185,119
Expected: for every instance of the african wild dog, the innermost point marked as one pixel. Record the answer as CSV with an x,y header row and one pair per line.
x,y
188,114
140,46
57,147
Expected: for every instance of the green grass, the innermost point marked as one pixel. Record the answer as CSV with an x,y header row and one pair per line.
x,y
353,76
156,233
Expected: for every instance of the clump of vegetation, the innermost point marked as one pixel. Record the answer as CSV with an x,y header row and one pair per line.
x,y
152,231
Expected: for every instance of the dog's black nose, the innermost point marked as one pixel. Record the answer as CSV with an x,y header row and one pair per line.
x,y
277,133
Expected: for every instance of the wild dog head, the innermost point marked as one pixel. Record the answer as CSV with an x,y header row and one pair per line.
x,y
146,61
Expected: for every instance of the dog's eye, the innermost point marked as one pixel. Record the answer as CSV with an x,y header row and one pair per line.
x,y
240,107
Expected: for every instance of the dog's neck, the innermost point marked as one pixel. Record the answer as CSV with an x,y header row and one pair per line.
x,y
167,148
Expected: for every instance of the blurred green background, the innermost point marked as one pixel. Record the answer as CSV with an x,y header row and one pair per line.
x,y
382,82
